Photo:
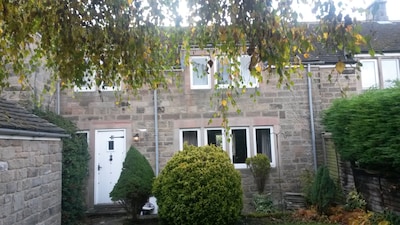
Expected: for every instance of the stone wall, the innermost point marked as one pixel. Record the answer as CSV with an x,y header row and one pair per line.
x,y
30,181
286,110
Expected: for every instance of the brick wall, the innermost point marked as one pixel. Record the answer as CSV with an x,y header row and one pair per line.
x,y
30,181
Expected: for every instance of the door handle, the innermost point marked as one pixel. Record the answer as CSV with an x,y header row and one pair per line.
x,y
98,167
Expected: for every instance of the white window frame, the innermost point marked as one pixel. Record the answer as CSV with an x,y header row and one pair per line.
x,y
93,87
397,71
181,131
223,143
364,83
272,138
217,71
248,80
90,87
200,86
239,165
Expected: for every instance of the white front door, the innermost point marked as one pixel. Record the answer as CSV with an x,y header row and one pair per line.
x,y
110,150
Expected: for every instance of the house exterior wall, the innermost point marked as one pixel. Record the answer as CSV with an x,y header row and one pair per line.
x,y
286,111
30,180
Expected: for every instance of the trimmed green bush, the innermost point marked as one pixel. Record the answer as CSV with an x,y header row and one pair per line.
x,y
198,186
75,157
365,129
323,190
134,184
259,166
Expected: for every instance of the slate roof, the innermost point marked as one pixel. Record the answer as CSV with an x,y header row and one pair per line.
x,y
385,35
16,120
385,38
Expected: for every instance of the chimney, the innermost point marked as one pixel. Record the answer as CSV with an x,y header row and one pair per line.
x,y
377,11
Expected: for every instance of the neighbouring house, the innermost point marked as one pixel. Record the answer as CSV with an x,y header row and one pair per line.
x,y
284,124
30,167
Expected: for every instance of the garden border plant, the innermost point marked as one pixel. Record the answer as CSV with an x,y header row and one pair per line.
x,y
365,129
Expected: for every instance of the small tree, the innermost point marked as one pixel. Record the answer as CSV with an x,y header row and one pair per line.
x,y
134,184
199,185
259,166
323,190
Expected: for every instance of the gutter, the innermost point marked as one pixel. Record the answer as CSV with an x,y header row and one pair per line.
x,y
5,131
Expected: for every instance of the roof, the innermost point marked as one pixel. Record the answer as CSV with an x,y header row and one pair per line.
x,y
385,36
16,120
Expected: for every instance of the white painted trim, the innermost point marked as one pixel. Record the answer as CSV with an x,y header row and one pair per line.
x,y
272,138
14,137
189,129
96,160
377,55
239,165
194,86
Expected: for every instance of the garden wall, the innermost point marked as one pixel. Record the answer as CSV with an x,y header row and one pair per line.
x,y
30,180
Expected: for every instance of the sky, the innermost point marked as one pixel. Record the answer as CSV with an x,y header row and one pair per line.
x,y
392,9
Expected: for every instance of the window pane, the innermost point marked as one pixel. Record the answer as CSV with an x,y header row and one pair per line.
x,y
190,137
263,139
390,71
199,71
239,146
223,71
248,80
214,137
369,74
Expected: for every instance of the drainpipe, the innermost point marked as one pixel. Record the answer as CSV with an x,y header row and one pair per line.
x,y
156,129
314,152
58,98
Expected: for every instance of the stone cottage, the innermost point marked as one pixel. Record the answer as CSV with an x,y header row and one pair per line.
x,y
284,124
30,167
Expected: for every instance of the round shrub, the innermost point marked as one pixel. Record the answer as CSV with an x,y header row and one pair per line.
x,y
199,185
134,184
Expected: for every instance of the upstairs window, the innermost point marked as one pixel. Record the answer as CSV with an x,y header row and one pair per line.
x,y
247,79
379,73
390,71
91,86
200,73
225,72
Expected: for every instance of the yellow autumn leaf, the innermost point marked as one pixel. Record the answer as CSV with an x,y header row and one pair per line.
x,y
306,55
130,2
258,67
325,35
340,67
385,222
21,79
224,102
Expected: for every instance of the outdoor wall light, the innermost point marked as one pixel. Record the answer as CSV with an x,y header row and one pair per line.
x,y
136,138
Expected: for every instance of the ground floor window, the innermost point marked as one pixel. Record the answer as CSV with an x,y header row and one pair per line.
x,y
240,142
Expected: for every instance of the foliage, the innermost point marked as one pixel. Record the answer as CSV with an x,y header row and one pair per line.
x,y
259,166
134,185
365,129
263,203
323,192
354,200
199,185
135,42
307,178
75,157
